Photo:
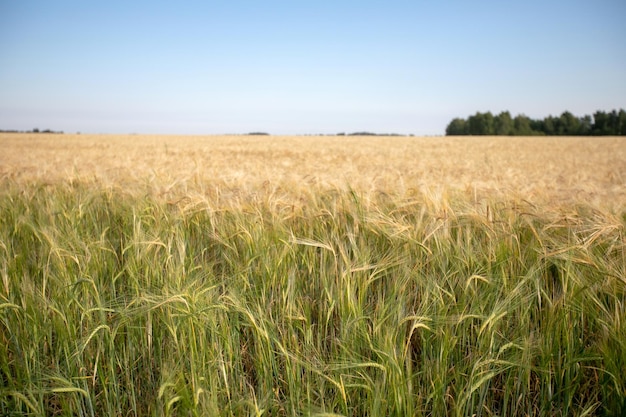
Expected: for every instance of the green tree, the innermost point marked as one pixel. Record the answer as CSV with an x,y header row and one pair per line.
x,y
521,125
614,127
503,124
550,125
481,124
537,126
600,123
586,125
569,125
622,122
457,126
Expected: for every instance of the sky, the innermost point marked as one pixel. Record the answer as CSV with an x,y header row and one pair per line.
x,y
303,67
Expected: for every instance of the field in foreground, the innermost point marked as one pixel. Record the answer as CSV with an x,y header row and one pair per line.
x,y
254,284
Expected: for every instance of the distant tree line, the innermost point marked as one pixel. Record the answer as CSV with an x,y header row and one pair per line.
x,y
35,130
600,124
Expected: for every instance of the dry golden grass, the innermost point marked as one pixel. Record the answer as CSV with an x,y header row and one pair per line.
x,y
538,169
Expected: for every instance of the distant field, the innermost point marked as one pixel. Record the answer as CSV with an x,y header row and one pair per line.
x,y
552,169
312,276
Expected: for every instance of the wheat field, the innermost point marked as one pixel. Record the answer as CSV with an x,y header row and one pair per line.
x,y
542,169
312,276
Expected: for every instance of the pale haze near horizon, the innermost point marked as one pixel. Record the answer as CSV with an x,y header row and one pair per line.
x,y
303,68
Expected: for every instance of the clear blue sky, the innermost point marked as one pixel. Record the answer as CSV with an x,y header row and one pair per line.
x,y
291,67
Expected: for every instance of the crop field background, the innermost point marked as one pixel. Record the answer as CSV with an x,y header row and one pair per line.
x,y
538,169
316,276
